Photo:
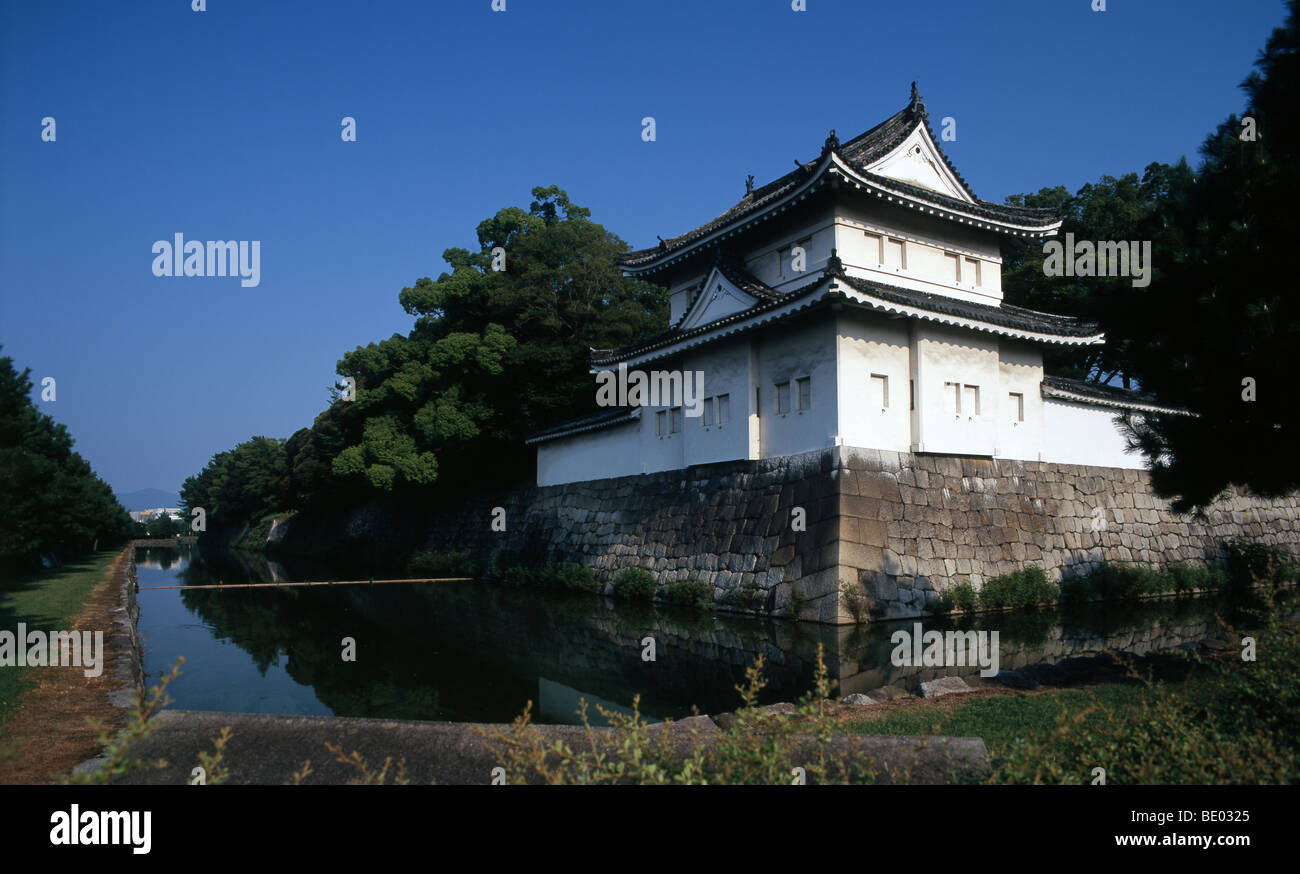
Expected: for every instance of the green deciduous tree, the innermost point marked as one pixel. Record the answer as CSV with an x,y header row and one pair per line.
x,y
493,354
241,484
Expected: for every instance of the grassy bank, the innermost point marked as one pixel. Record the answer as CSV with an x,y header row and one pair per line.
x,y
1225,719
48,600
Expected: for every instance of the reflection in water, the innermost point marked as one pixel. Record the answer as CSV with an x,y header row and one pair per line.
x,y
473,652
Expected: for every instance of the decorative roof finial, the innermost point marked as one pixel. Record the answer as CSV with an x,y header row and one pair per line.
x,y
832,143
834,264
917,103
749,185
663,247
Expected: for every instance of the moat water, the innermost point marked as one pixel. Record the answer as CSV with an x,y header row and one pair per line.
x,y
477,652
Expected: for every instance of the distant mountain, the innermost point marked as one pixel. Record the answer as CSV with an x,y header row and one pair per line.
x,y
148,499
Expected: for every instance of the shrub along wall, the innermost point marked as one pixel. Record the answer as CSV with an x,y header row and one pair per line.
x,y
823,535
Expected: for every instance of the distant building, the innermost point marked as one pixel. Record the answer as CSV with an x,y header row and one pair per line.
x,y
148,515
856,301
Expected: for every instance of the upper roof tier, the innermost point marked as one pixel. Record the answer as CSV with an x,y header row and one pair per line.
x,y
899,159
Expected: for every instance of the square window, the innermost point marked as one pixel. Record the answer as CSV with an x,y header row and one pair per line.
x,y
782,398
971,400
661,423
675,419
973,271
707,419
724,412
803,393
880,389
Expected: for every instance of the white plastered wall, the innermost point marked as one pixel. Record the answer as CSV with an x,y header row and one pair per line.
x,y
1018,425
927,243
947,361
607,452
1082,434
870,348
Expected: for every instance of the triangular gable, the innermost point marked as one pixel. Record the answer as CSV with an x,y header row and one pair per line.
x,y
917,160
719,298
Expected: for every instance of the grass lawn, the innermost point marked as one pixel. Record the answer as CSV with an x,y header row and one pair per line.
x,y
49,600
1013,725
1001,720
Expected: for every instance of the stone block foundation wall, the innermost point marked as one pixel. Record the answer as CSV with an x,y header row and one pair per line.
x,y
912,526
896,528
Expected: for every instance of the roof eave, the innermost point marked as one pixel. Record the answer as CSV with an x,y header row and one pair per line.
x,y
832,166
805,298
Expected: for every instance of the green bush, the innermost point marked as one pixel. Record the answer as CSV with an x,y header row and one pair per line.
x,y
428,563
1251,564
856,601
746,597
961,596
635,583
1127,582
546,576
692,593
1027,587
577,577
520,575
1190,578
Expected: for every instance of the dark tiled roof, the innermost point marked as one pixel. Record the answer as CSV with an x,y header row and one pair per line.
x,y
737,275
606,357
604,419
869,147
859,152
761,197
1063,388
1006,316
999,212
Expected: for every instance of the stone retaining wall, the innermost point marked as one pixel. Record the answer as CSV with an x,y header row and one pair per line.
x,y
896,528
913,526
131,678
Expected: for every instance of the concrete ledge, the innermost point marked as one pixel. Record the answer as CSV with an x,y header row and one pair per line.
x,y
267,750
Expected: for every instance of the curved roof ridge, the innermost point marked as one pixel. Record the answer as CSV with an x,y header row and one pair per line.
x,y
857,153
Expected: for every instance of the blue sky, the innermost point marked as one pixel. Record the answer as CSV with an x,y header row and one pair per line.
x,y
224,125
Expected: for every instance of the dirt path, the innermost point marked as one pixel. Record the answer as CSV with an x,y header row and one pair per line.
x,y
50,731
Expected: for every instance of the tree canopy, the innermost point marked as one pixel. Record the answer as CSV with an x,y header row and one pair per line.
x,y
1215,331
51,501
1219,335
1120,209
499,348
